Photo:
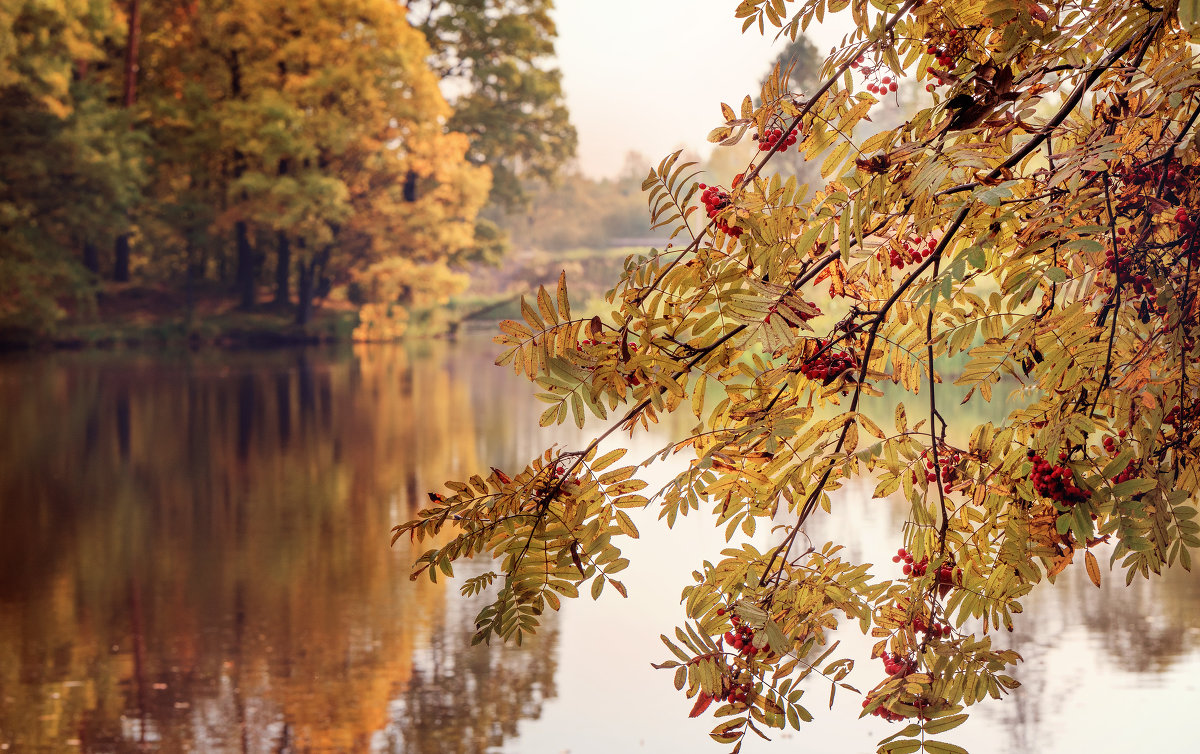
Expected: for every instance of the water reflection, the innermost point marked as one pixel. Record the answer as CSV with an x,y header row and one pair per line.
x,y
462,702
193,557
1087,652
193,554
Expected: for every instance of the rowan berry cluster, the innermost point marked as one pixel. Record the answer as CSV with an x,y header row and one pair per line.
x,y
1121,263
738,686
946,469
944,52
716,200
1110,445
1056,482
1172,183
1186,223
897,664
911,567
947,577
910,252
828,364
1175,184
741,637
1180,421
937,629
879,86
901,666
737,691
553,480
882,711
772,136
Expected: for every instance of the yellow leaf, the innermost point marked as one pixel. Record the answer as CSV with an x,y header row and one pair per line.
x,y
564,307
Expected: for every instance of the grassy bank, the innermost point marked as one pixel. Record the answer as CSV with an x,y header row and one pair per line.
x,y
138,315
132,315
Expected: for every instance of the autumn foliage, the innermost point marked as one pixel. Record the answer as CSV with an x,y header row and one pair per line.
x,y
1030,234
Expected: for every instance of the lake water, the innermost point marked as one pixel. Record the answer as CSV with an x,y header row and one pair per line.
x,y
194,557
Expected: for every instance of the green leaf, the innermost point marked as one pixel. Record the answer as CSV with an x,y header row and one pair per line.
x,y
941,747
1133,487
943,724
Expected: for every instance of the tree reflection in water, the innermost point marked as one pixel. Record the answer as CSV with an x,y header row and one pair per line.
x,y
193,556
194,550
462,699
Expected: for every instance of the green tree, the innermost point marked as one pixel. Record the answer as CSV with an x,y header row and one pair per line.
x,y
492,56
794,72
71,165
1032,229
579,212
801,63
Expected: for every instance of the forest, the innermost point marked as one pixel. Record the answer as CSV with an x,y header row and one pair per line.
x,y
257,156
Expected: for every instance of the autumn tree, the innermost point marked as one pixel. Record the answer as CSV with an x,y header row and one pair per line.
x,y
311,129
71,166
1030,234
493,59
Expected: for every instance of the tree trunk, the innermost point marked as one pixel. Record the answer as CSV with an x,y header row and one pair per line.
x,y
121,259
133,37
189,286
283,269
283,248
305,293
91,257
245,266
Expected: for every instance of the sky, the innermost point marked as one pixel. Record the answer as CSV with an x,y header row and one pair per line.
x,y
649,75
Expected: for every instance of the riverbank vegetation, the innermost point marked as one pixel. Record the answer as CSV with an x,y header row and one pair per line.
x,y
244,158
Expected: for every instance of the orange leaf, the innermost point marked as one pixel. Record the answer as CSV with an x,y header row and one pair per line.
x,y
1061,563
702,703
1093,568
837,284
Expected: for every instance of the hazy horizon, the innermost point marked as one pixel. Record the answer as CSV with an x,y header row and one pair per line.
x,y
649,75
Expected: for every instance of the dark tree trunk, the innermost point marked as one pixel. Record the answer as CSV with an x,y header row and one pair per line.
x,y
132,39
410,186
245,266
121,259
189,285
283,269
91,257
245,251
305,293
